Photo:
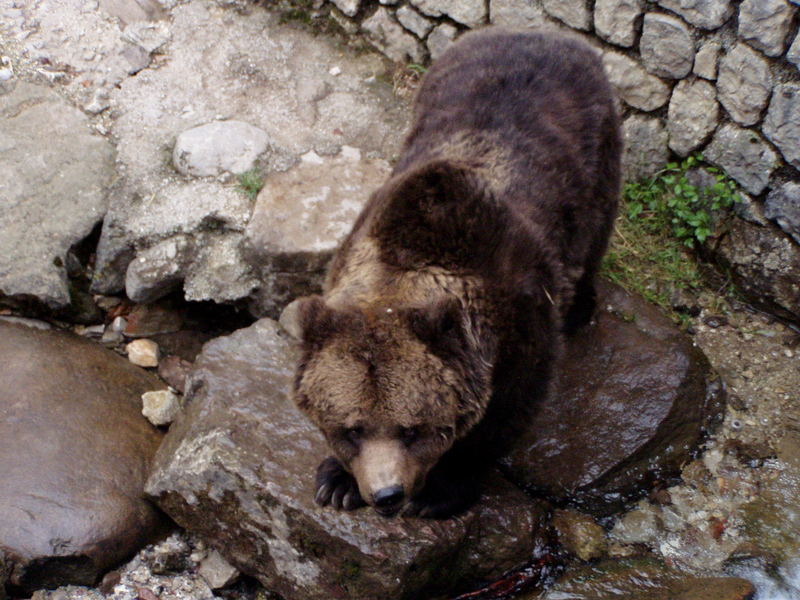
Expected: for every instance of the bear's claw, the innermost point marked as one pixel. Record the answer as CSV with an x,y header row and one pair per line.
x,y
337,487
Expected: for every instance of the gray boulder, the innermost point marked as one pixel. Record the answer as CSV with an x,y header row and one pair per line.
x,y
54,176
646,151
633,83
299,219
744,155
782,124
765,24
783,207
616,20
666,47
744,84
692,115
238,468
707,14
635,398
74,453
468,12
390,38
574,13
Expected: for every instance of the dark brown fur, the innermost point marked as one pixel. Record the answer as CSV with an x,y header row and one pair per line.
x,y
444,308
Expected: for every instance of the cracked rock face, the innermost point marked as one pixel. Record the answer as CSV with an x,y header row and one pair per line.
x,y
783,207
238,468
46,152
165,230
764,264
74,453
468,12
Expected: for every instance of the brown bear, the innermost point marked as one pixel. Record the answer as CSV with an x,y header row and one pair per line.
x,y
444,309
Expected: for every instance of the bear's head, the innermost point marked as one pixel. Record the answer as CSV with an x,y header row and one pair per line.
x,y
391,389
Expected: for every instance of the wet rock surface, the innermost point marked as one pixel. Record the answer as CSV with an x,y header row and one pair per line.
x,y
74,453
643,579
634,400
238,468
46,151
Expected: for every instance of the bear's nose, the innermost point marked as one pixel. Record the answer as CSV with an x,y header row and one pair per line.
x,y
388,496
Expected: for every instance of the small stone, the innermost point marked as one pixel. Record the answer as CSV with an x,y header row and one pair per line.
x,y
440,38
783,207
633,83
413,21
468,12
705,61
782,123
744,84
219,147
93,331
666,47
111,336
615,20
517,13
390,38
574,13
217,571
146,320
692,115
173,369
143,353
646,150
639,526
579,534
160,407
707,14
743,155
334,71
765,24
348,7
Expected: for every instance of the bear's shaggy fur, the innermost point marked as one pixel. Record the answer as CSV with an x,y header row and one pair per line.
x,y
444,308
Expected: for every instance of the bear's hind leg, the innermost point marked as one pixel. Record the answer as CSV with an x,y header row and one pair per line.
x,y
337,487
583,304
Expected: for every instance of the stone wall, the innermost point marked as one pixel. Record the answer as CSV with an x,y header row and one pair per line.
x,y
713,76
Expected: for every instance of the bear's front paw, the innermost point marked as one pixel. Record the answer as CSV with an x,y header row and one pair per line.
x,y
337,487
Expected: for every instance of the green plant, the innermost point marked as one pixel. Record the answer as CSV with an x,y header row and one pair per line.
x,y
669,200
251,182
660,221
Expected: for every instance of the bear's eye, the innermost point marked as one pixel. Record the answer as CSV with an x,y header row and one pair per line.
x,y
409,435
353,435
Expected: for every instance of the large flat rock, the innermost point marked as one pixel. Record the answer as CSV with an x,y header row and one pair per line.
x,y
634,399
74,453
53,178
238,468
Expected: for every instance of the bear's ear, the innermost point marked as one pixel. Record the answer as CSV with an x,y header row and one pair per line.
x,y
439,214
439,326
309,319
